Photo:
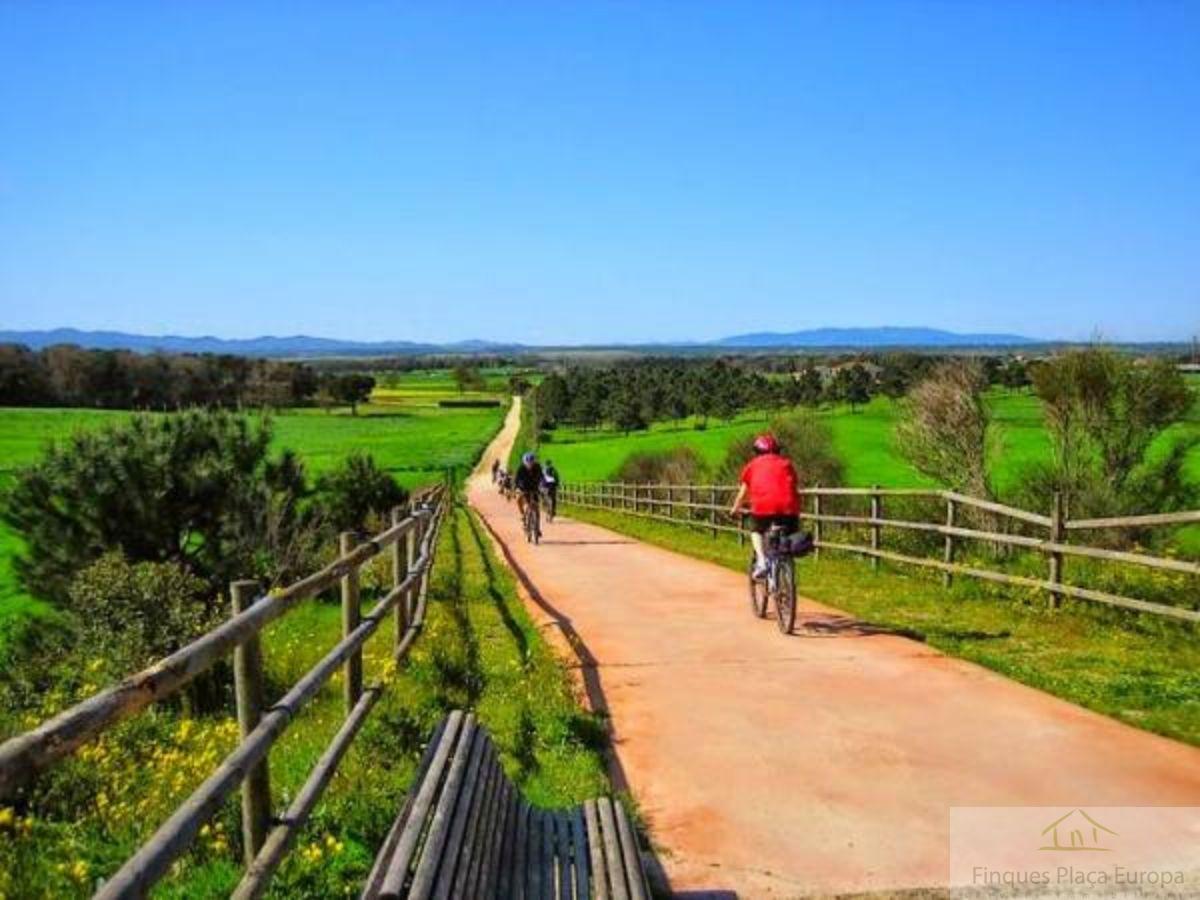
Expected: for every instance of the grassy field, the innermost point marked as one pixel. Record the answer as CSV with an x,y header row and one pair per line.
x,y
1141,670
434,384
479,650
863,439
409,436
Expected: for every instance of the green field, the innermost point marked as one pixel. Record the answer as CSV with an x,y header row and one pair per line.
x,y
435,384
410,437
863,439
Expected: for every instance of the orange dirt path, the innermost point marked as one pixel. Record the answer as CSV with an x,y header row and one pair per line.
x,y
773,766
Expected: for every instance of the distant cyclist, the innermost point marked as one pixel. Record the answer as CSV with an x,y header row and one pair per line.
x,y
528,482
495,471
550,486
772,486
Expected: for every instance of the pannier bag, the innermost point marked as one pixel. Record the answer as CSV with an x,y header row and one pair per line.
x,y
800,544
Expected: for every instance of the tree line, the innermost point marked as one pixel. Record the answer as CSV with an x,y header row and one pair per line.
x,y
1117,426
633,395
67,375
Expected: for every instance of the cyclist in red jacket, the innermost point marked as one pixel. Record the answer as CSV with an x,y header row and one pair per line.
x,y
772,486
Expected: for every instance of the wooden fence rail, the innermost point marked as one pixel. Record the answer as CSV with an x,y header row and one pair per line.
x,y
662,502
412,539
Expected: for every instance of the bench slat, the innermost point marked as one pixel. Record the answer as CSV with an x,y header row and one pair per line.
x,y
508,863
520,871
536,891
375,880
562,834
579,842
591,815
632,858
549,891
464,819
493,868
613,863
480,840
439,825
406,847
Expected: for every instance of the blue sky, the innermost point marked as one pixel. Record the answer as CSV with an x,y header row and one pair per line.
x,y
584,172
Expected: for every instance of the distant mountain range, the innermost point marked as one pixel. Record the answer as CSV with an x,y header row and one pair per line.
x,y
306,346
296,345
874,337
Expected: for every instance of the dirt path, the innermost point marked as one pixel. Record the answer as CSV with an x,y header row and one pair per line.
x,y
772,766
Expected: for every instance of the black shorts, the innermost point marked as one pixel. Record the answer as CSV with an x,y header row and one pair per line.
x,y
761,524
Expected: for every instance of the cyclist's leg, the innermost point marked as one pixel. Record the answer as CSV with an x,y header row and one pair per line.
x,y
758,528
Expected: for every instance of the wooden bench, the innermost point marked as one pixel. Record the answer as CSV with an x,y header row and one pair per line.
x,y
465,832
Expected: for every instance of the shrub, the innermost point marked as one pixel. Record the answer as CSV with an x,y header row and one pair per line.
x,y
195,489
804,437
943,429
1103,412
131,614
348,497
680,465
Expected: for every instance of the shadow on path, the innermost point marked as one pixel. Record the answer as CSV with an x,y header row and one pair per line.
x,y
836,625
552,541
589,666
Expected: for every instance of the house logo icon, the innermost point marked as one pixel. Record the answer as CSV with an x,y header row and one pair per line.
x,y
1076,832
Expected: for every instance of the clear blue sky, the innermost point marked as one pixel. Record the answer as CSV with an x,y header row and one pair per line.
x,y
582,172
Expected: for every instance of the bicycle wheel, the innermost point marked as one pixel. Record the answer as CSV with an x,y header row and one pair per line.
x,y
758,592
536,523
785,594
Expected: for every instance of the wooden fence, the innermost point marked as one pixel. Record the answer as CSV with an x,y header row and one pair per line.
x,y
704,507
411,540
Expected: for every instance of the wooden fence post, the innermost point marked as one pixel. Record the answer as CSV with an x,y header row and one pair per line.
x,y
351,618
249,689
816,522
412,540
691,502
1058,531
741,530
712,509
876,528
399,573
948,549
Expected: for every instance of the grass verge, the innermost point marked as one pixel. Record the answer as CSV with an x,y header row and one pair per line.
x,y
479,650
1135,668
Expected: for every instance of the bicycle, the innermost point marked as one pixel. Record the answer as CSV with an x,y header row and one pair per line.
x,y
779,585
549,499
532,520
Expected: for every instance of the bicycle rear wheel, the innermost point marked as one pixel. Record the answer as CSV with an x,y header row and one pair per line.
x,y
758,592
785,594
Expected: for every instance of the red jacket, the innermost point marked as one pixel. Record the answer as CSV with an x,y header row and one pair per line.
x,y
772,483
